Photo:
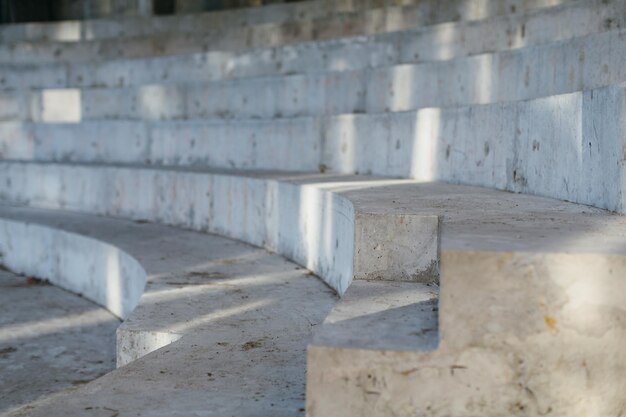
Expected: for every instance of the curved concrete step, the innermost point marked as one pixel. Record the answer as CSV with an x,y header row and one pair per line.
x,y
320,221
553,273
242,315
555,146
161,71
521,333
290,15
438,41
325,234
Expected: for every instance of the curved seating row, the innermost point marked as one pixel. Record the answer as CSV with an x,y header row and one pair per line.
x,y
359,15
351,54
512,265
489,78
531,308
566,146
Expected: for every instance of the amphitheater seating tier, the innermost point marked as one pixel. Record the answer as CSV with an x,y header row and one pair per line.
x,y
284,204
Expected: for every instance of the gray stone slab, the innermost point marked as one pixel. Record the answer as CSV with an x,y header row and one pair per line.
x,y
500,145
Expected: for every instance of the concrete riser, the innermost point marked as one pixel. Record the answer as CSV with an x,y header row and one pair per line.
x,y
507,76
363,13
441,41
310,224
482,78
97,270
521,334
503,146
432,43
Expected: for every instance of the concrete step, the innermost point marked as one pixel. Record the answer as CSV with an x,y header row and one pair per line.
x,y
522,74
432,43
243,316
519,274
592,17
257,207
501,145
289,15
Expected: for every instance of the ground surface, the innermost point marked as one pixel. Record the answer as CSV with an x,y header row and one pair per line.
x,y
50,341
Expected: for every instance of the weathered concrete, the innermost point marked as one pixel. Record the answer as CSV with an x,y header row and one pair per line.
x,y
431,42
101,272
388,13
362,52
444,41
236,321
481,79
259,209
306,217
536,255
502,145
50,341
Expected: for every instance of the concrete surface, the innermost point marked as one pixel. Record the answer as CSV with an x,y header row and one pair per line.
x,y
100,272
556,266
438,42
259,210
294,14
568,146
399,42
402,315
433,42
238,319
50,341
480,79
466,78
522,334
530,319
309,218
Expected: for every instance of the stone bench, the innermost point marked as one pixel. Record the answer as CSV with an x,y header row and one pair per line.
x,y
433,43
216,316
362,14
502,145
519,274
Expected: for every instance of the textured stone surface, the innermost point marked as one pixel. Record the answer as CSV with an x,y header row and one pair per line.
x,y
521,333
50,341
531,314
555,146
396,247
238,320
366,15
307,217
432,42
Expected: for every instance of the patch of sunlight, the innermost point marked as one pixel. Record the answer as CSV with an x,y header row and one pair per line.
x,y
183,290
221,313
40,328
113,283
59,105
425,143
66,31
446,40
483,85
